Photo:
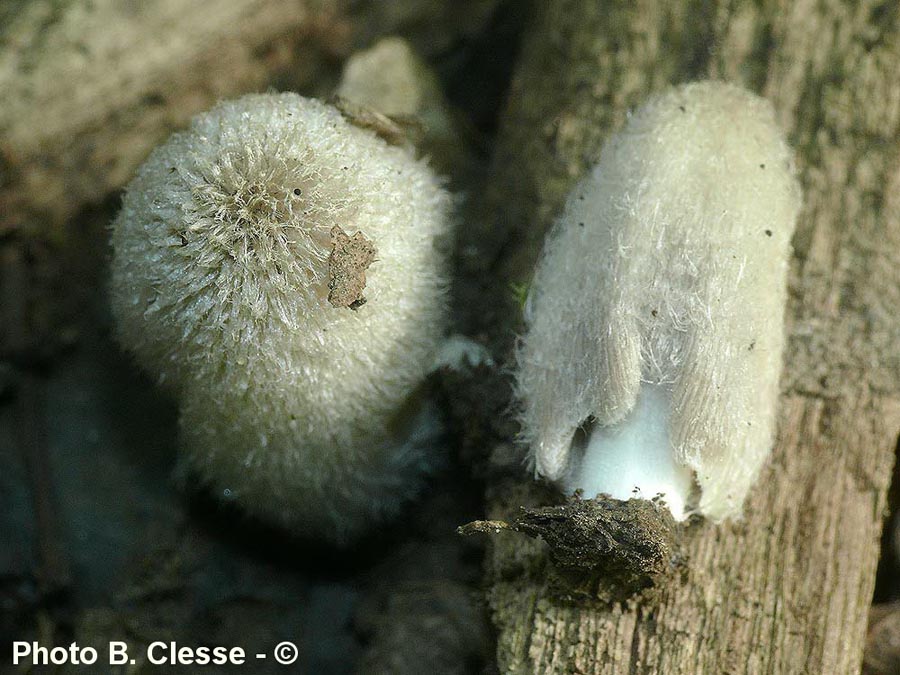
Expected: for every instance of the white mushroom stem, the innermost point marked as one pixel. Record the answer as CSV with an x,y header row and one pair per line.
x,y
635,458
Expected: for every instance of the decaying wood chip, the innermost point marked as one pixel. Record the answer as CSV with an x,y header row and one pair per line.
x,y
347,264
399,130
628,544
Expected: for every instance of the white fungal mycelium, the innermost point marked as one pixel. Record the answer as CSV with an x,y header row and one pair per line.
x,y
299,408
655,319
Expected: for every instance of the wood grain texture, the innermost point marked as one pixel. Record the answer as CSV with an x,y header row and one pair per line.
x,y
787,590
89,87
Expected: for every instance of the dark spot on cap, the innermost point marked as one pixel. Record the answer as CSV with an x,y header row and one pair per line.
x,y
752,345
581,198
681,108
580,224
653,312
762,166
768,233
298,192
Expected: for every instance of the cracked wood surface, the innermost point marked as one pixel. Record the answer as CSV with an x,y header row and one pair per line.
x,y
787,590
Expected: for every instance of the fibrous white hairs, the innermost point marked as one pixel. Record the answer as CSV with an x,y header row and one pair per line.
x,y
220,287
665,278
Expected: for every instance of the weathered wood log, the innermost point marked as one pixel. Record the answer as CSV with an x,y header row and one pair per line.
x,y
89,87
788,589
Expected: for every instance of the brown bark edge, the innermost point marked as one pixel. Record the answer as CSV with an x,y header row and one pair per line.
x,y
787,590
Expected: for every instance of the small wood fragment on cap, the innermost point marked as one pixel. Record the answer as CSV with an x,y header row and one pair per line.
x,y
403,131
347,264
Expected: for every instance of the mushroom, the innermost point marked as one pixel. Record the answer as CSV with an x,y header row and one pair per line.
x,y
653,347
283,272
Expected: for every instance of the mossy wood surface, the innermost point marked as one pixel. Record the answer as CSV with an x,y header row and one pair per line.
x,y
788,589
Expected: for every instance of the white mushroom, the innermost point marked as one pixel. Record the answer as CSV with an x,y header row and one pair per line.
x,y
655,319
280,270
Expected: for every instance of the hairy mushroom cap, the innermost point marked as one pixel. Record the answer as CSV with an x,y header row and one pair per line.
x,y
233,242
655,322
